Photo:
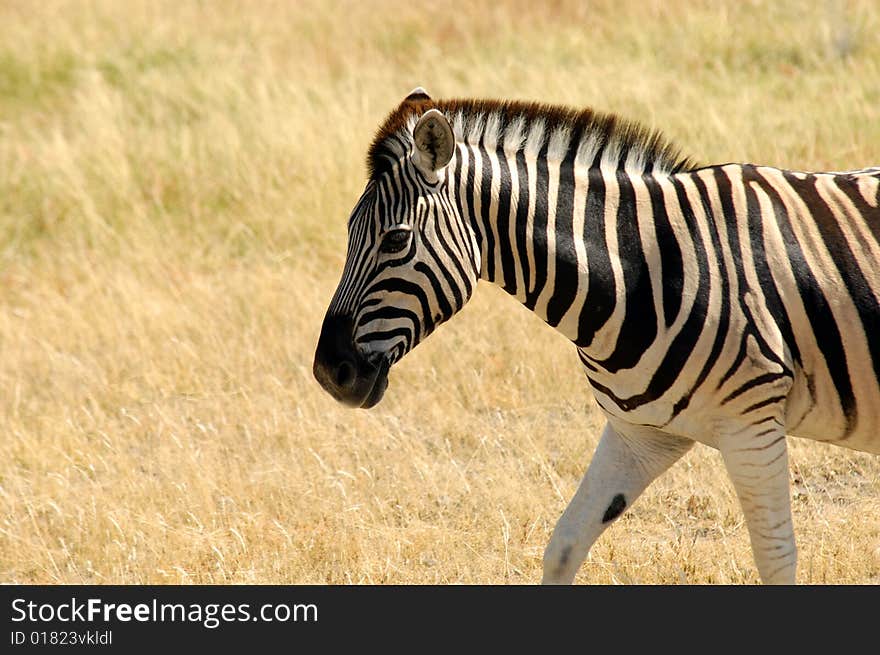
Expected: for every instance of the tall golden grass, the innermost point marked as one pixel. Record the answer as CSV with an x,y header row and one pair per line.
x,y
175,179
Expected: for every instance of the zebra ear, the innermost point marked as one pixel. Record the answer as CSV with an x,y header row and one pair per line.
x,y
417,93
434,143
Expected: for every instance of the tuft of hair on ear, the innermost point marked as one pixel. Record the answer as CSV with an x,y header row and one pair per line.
x,y
434,141
418,94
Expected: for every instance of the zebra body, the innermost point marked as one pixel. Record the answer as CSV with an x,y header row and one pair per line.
x,y
758,330
728,305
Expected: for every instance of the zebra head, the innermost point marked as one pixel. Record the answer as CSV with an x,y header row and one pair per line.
x,y
412,261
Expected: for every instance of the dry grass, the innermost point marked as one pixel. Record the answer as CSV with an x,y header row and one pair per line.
x,y
174,183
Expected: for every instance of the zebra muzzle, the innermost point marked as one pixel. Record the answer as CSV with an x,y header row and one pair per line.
x,y
343,371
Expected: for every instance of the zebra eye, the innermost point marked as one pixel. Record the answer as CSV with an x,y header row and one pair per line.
x,y
395,240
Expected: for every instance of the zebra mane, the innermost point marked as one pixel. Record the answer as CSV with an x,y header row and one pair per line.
x,y
606,141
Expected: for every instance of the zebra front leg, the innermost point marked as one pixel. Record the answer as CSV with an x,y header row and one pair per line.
x,y
757,463
622,467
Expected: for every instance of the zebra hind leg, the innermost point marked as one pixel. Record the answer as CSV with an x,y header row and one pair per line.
x,y
626,461
757,462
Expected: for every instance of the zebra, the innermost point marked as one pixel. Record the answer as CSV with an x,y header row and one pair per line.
x,y
730,305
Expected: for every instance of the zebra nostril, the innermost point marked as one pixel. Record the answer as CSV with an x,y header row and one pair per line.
x,y
345,374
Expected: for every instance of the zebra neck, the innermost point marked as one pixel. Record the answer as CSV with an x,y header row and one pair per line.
x,y
565,241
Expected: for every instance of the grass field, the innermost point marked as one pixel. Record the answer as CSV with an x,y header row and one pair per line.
x,y
175,179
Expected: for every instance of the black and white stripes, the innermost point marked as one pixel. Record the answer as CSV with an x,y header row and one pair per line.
x,y
728,305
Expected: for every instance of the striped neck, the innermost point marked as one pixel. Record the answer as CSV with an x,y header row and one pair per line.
x,y
549,223
512,202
